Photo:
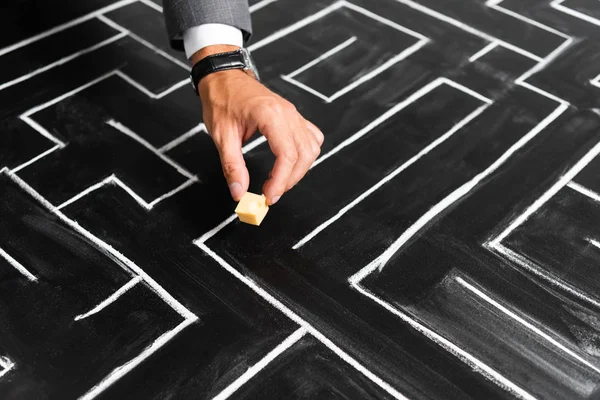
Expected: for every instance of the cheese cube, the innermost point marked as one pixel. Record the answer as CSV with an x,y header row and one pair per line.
x,y
252,208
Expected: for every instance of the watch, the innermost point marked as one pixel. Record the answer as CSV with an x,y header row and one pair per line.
x,y
239,59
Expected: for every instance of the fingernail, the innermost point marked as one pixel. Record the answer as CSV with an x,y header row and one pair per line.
x,y
275,199
236,190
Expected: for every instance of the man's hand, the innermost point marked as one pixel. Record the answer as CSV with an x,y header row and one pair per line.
x,y
235,106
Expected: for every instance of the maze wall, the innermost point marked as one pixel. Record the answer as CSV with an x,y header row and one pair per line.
x,y
445,245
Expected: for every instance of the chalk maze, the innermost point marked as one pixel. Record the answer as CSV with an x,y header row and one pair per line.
x,y
107,249
572,355
6,365
91,291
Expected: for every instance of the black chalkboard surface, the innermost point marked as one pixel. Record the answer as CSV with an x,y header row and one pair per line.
x,y
445,245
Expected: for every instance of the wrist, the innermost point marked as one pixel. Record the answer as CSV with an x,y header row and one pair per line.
x,y
218,82
210,50
214,77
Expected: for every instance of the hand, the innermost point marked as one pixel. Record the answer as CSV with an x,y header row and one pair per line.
x,y
235,106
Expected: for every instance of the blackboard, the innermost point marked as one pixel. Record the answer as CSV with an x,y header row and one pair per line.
x,y
445,245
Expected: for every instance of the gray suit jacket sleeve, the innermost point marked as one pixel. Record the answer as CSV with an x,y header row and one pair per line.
x,y
184,14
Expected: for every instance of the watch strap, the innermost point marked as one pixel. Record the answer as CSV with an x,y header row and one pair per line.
x,y
215,63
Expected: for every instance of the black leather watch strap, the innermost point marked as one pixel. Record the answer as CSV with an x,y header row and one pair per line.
x,y
216,63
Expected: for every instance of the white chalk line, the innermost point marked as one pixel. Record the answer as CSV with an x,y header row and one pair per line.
x,y
542,63
458,24
260,365
158,51
85,192
411,4
384,21
596,81
468,91
564,180
108,250
253,144
152,4
66,25
491,46
557,112
368,76
62,61
123,129
593,242
113,180
455,196
294,27
372,125
494,4
5,362
124,369
26,116
477,365
183,138
394,110
463,190
111,299
557,4
202,239
527,324
546,276
324,12
584,191
36,158
60,98
495,245
388,64
6,365
365,78
541,92
323,57
297,319
123,32
41,130
260,4
178,189
18,266
127,265
306,88
391,176
116,181
148,92
382,118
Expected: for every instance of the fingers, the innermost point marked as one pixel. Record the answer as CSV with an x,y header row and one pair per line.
x,y
229,146
316,132
308,149
284,149
296,143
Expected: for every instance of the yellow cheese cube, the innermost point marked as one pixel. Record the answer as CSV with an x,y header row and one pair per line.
x,y
252,208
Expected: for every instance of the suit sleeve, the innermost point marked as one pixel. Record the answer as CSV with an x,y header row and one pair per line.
x,y
181,15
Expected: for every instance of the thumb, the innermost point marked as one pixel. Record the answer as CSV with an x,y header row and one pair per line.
x,y
234,166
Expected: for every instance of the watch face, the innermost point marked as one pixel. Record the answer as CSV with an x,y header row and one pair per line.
x,y
250,62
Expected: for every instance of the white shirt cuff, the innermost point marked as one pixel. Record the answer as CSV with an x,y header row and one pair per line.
x,y
204,35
